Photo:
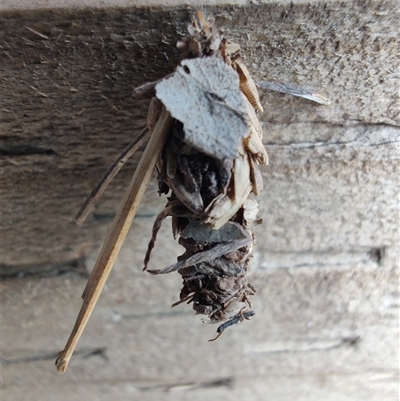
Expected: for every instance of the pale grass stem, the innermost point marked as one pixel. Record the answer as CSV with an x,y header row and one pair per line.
x,y
117,234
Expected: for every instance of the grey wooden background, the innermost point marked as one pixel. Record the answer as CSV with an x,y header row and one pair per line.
x,y
327,257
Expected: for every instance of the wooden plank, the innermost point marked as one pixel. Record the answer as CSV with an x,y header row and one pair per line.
x,y
67,78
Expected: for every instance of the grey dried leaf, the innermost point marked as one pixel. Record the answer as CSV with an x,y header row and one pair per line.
x,y
204,233
199,257
204,95
221,266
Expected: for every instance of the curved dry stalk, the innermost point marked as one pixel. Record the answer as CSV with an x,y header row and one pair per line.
x,y
109,175
169,210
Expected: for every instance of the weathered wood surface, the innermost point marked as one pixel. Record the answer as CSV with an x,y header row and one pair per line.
x,y
67,109
326,263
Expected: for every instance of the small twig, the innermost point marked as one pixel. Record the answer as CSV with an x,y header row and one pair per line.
x,y
109,175
117,234
188,298
143,89
294,91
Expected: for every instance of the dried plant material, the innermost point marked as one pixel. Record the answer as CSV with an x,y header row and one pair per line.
x,y
117,234
225,128
205,255
295,91
211,166
210,88
109,175
203,233
206,142
143,90
247,85
215,262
